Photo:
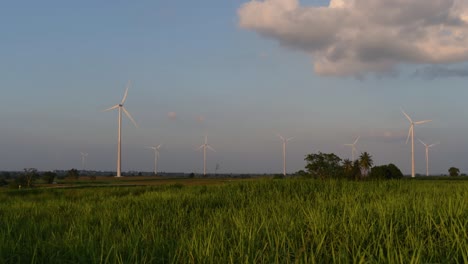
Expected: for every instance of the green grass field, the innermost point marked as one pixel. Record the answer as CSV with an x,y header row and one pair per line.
x,y
255,221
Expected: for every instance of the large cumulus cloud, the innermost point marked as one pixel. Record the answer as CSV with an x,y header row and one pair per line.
x,y
355,37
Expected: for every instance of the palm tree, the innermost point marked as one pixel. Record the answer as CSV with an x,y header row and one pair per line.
x,y
347,165
366,162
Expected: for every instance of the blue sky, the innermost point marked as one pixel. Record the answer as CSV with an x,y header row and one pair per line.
x,y
64,62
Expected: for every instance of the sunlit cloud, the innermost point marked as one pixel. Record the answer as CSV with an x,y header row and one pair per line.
x,y
357,37
172,115
200,119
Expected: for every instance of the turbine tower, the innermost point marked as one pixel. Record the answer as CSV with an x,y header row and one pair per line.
x,y
353,147
156,156
427,154
284,140
83,160
205,146
121,108
411,133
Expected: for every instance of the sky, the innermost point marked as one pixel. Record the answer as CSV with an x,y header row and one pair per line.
x,y
237,71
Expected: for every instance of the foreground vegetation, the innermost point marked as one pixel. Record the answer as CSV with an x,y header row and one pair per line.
x,y
262,221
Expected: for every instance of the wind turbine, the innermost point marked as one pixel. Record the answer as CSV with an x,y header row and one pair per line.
x,y
411,133
83,160
205,146
121,108
353,147
427,154
285,140
156,156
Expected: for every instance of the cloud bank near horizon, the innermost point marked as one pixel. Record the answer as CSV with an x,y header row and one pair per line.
x,y
357,37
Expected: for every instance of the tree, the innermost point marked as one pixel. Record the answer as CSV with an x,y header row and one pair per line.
x,y
366,162
347,165
389,171
324,165
394,172
73,174
356,171
454,171
49,177
6,175
301,173
28,177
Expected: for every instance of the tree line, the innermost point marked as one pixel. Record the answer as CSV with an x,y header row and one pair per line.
x,y
330,166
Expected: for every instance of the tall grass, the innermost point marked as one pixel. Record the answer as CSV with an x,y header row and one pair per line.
x,y
265,221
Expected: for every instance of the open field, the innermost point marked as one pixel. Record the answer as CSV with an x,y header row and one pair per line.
x,y
239,221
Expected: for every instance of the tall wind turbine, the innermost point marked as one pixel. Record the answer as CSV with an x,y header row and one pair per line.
x,y
156,156
204,147
427,154
83,160
121,108
411,133
284,140
353,147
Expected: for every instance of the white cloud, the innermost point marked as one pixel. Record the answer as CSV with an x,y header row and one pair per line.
x,y
355,37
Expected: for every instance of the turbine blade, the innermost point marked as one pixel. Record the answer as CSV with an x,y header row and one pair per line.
x,y
206,139
407,116
409,133
355,141
437,143
280,136
126,92
129,116
422,142
199,147
422,122
291,138
159,146
111,108
209,147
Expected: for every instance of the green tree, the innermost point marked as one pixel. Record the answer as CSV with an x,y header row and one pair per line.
x,y
301,173
6,175
356,172
73,174
28,177
394,172
389,171
366,162
49,177
454,171
347,165
324,165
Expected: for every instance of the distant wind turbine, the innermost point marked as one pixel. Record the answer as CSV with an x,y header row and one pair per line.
x,y
353,147
121,108
204,147
83,160
411,133
156,156
427,154
284,140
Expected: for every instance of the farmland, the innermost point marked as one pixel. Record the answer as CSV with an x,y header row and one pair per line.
x,y
238,221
